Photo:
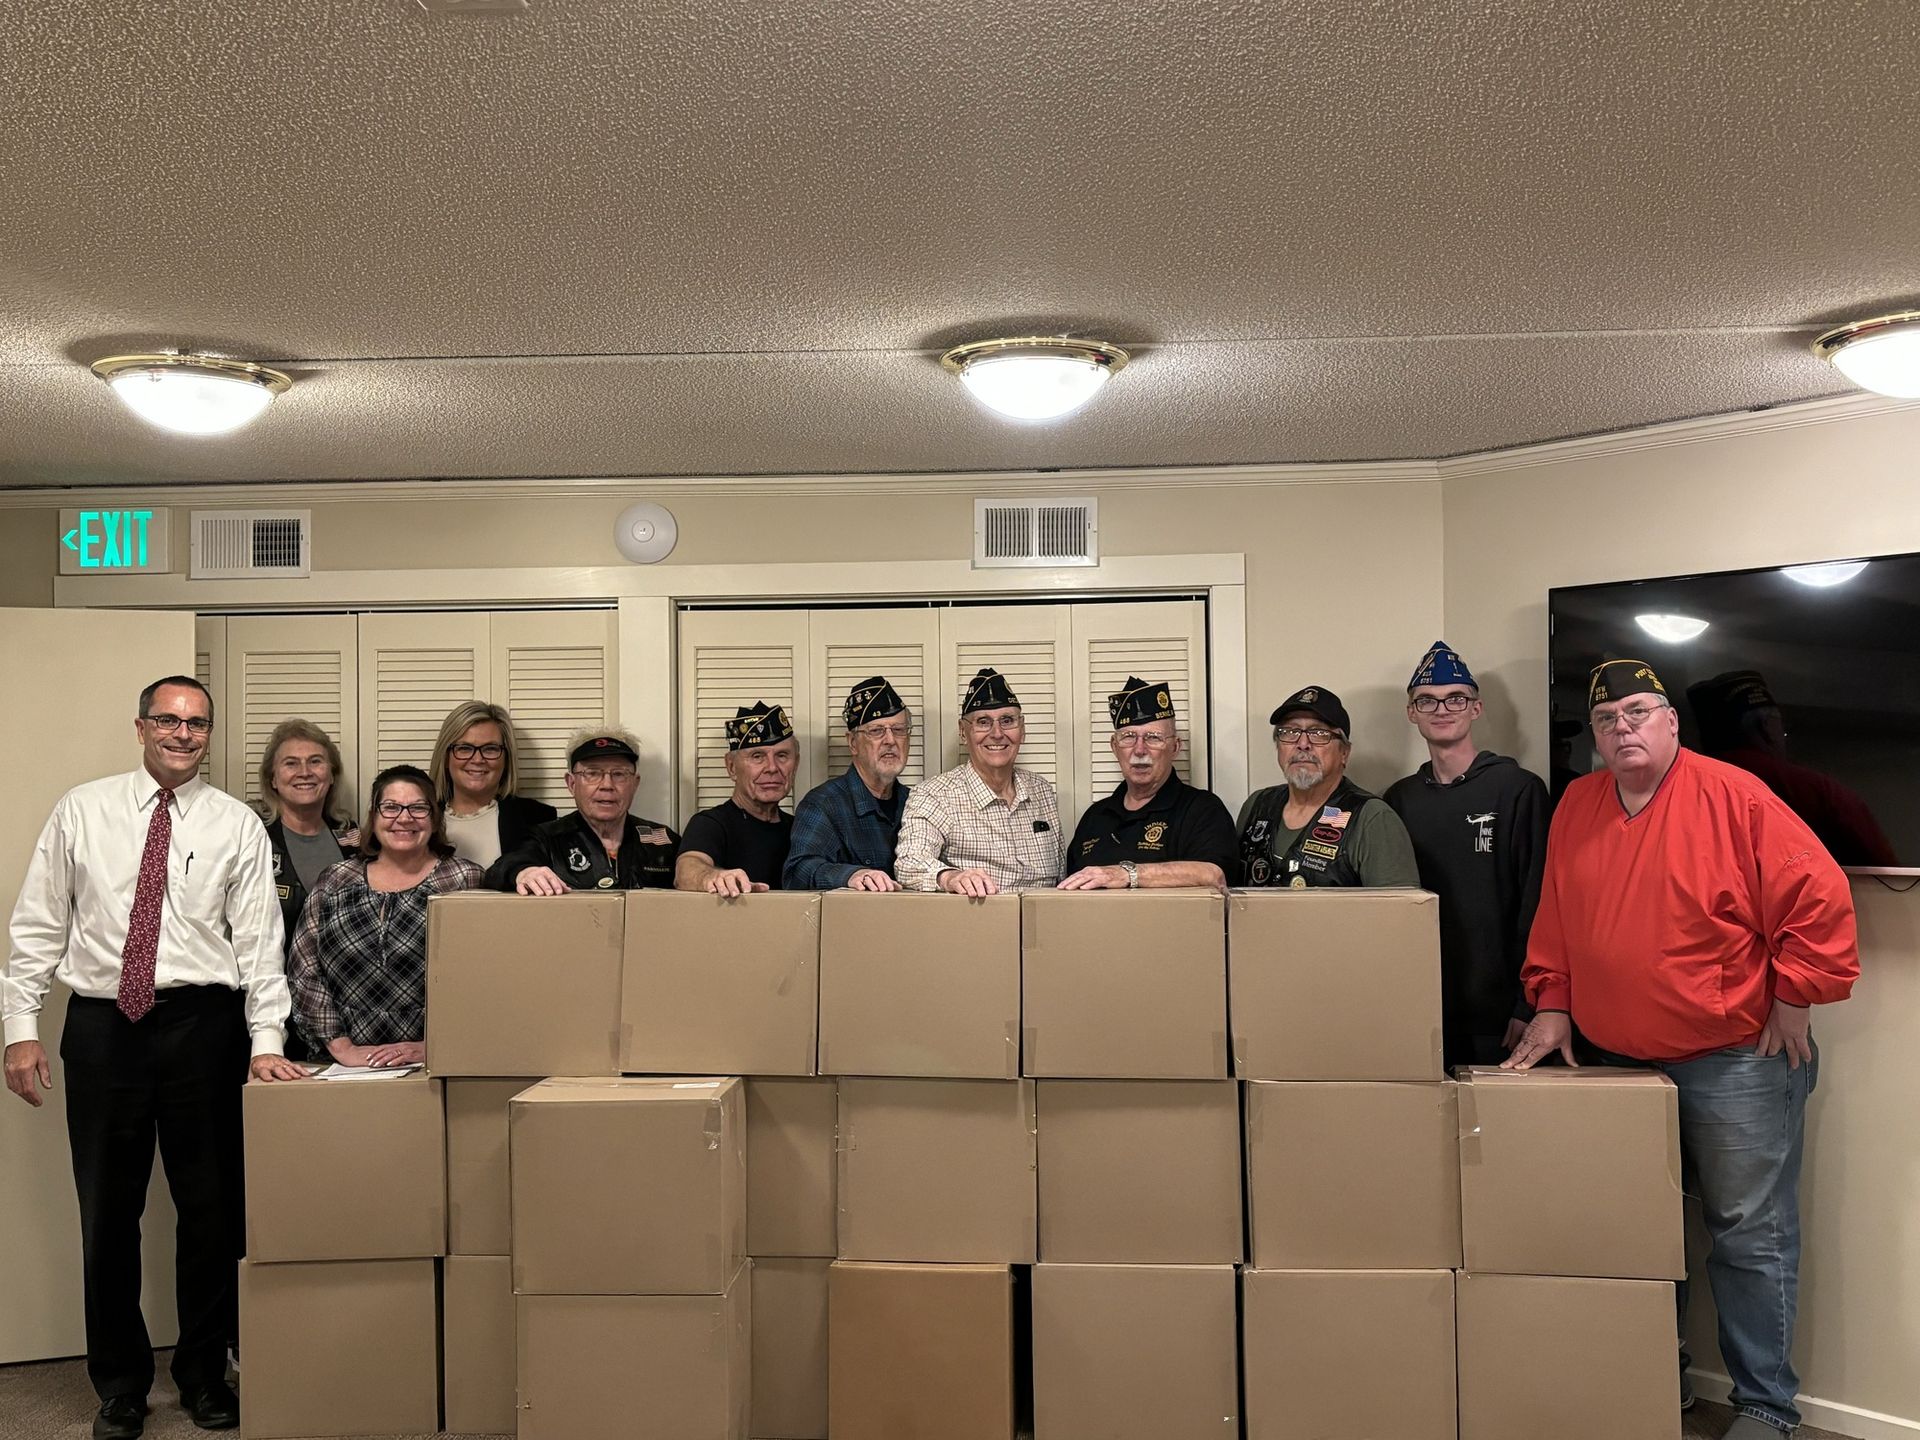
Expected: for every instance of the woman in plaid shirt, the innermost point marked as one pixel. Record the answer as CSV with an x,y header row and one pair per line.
x,y
358,970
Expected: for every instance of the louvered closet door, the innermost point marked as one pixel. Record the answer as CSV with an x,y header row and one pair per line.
x,y
1030,645
554,671
210,669
1154,640
279,666
730,658
414,668
848,646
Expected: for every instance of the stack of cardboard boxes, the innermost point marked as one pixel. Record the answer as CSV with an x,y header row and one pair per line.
x,y
1154,1165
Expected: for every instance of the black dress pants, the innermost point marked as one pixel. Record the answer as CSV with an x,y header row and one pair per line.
x,y
176,1077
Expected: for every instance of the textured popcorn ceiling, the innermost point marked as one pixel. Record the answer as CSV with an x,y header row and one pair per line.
x,y
723,236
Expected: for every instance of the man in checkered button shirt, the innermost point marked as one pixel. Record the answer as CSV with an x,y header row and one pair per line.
x,y
987,825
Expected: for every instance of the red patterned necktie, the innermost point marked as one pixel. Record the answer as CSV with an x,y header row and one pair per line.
x,y
143,926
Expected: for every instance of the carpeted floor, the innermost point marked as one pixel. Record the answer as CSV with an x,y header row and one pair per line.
x,y
53,1401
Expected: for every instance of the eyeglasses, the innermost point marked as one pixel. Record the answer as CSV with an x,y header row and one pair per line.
x,y
987,724
393,809
167,724
1427,704
464,751
597,776
303,762
1633,717
1316,737
884,732
1133,739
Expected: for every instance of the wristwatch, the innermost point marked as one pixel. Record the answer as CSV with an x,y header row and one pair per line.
x,y
1133,874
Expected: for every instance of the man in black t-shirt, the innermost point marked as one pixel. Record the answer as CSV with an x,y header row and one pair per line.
x,y
740,844
1154,831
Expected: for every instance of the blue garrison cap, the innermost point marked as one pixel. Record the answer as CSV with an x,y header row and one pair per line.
x,y
1441,666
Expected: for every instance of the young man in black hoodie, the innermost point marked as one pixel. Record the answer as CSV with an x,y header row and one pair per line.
x,y
1479,828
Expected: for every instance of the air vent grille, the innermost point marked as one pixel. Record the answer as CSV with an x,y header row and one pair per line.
x,y
251,544
1035,533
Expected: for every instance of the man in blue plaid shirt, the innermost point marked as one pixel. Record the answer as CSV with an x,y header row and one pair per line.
x,y
844,831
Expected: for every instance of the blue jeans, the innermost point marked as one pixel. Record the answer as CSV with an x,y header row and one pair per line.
x,y
1742,1132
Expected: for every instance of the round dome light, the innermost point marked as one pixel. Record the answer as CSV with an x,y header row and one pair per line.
x,y
192,394
1036,377
1881,355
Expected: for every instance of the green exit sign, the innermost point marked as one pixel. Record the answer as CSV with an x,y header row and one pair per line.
x,y
115,540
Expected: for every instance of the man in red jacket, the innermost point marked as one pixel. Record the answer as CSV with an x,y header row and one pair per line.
x,y
1689,921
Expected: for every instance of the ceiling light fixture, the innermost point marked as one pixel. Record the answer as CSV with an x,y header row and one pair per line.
x,y
1824,575
1673,629
1035,377
1881,354
192,394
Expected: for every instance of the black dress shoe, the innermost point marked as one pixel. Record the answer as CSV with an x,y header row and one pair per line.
x,y
211,1407
121,1417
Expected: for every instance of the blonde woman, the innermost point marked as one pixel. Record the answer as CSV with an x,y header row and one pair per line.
x,y
473,779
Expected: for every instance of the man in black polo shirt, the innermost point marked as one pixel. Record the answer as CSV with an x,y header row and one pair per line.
x,y
1154,831
740,845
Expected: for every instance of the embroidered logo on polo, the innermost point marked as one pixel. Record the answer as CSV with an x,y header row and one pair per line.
x,y
276,868
1152,837
1483,835
577,861
1086,846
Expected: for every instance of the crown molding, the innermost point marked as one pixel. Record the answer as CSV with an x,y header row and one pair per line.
x,y
968,482
1826,410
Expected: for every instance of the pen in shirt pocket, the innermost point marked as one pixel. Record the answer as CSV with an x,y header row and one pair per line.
x,y
189,866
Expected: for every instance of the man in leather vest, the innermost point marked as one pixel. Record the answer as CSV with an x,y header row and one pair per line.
x,y
1320,828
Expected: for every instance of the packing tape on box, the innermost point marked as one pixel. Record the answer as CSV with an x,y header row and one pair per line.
x,y
1029,1049
1012,1071
715,1123
1468,1128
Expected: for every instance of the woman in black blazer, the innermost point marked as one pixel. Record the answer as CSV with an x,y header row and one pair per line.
x,y
473,775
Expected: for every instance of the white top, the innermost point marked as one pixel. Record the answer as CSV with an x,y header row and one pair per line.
x,y
219,924
476,837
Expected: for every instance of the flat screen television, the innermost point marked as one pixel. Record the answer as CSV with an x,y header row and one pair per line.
x,y
1807,675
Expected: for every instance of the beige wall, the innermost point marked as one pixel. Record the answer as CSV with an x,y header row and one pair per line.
x,y
1813,492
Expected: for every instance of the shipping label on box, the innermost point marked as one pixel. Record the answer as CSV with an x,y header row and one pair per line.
x,y
339,1347
479,1200
477,1344
792,1168
1335,984
628,1186
345,1169
925,1351
1135,1352
1610,1138
719,985
1139,1172
1349,1352
1577,1359
937,1170
920,985
1353,1175
789,1350
636,1367
1124,984
524,984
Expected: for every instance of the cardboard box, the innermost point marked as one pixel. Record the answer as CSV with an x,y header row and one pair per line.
x,y
1135,1352
1127,985
1577,1359
720,986
792,1171
1610,1140
937,1170
1139,1172
920,1352
1335,984
789,1350
1353,1175
479,1200
1352,1354
477,1345
628,1187
345,1169
339,1347
924,985
636,1367
524,984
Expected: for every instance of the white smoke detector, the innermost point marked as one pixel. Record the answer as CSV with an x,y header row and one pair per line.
x,y
645,533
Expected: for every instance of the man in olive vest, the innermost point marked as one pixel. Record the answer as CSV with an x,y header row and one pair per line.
x,y
1320,828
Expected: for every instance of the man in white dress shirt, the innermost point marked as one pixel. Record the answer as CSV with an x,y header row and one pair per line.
x,y
150,896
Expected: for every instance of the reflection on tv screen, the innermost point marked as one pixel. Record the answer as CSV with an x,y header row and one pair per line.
x,y
1808,676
